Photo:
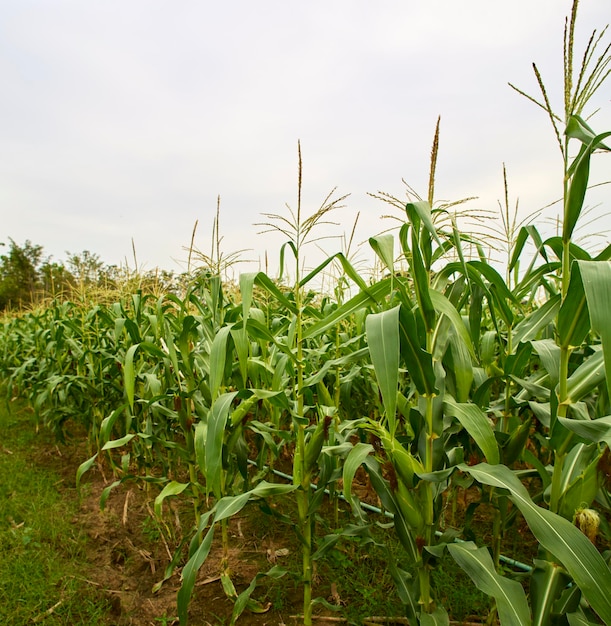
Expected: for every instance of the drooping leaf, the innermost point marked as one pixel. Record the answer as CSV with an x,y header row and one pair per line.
x,y
509,595
173,488
353,461
383,246
477,424
557,535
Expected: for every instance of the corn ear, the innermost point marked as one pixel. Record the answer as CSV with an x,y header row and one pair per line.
x,y
408,507
315,444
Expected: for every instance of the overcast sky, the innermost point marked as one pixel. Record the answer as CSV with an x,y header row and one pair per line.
x,y
126,119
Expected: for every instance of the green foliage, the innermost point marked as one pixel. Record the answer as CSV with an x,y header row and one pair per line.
x,y
408,384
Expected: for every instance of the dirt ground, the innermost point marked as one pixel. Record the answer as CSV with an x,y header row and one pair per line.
x,y
126,554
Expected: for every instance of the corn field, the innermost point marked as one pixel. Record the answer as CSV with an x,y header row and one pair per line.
x,y
441,376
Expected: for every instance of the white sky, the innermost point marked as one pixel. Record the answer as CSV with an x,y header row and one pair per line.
x,y
126,118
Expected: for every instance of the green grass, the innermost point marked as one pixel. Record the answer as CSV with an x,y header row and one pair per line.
x,y
41,551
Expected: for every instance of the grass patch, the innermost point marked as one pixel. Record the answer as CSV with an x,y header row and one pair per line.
x,y
41,550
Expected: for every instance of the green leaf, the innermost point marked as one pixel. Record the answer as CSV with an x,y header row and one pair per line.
x,y
445,307
243,600
579,171
546,584
129,375
189,573
549,353
573,317
418,361
84,467
383,246
423,210
353,461
218,354
509,595
477,424
383,341
439,617
558,536
596,277
462,367
118,443
217,421
173,488
591,430
374,294
587,377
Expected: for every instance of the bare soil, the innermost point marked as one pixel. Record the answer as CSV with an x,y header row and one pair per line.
x,y
126,555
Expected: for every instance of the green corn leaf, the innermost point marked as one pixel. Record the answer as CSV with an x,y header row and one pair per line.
x,y
546,584
596,277
423,210
217,421
118,443
582,490
383,246
577,128
374,294
514,446
591,430
419,362
189,573
579,171
523,234
243,601
106,493
420,276
353,461
579,619
509,595
330,365
383,341
389,501
247,283
462,367
587,377
445,307
348,268
129,374
497,290
535,278
405,590
549,353
557,535
439,617
201,434
573,317
218,354
477,424
264,281
84,467
173,488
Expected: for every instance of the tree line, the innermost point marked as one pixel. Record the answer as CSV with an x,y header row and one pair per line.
x,y
29,277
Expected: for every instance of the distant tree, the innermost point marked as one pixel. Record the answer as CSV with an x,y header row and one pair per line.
x,y
86,267
56,280
19,274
